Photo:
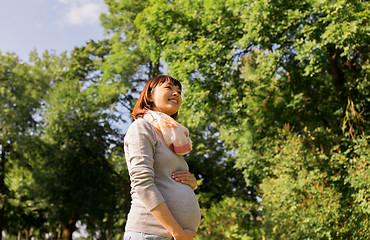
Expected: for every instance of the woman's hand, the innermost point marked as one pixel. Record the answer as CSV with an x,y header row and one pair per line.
x,y
188,235
185,177
163,214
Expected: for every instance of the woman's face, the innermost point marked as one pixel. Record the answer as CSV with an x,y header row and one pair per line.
x,y
166,98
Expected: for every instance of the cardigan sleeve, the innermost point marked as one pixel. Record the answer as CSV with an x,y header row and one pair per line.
x,y
139,145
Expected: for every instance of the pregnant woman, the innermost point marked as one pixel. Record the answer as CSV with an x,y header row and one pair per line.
x,y
163,204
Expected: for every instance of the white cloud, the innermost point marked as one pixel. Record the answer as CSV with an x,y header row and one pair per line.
x,y
82,12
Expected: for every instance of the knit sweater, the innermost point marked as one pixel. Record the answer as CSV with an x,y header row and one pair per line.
x,y
150,165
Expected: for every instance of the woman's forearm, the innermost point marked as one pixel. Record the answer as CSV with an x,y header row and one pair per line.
x,y
165,217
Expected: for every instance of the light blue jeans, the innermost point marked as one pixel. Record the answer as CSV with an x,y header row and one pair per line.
x,y
142,236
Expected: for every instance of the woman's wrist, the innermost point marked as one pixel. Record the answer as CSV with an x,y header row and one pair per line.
x,y
176,230
178,234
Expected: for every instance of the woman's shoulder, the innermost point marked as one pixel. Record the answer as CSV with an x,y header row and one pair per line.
x,y
139,123
138,127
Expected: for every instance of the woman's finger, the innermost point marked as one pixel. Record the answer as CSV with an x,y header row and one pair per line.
x,y
179,173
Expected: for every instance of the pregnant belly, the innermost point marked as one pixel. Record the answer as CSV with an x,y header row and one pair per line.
x,y
183,204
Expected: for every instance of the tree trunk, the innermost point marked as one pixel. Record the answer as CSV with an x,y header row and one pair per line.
x,y
28,235
59,233
67,232
153,69
335,69
69,228
3,189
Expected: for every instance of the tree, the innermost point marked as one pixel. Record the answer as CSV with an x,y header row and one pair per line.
x,y
72,171
256,67
278,89
141,49
131,52
230,218
22,88
212,165
311,189
127,61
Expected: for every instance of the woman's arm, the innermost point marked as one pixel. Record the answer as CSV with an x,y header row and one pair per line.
x,y
165,217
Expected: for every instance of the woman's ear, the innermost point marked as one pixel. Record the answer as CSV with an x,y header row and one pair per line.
x,y
150,94
149,97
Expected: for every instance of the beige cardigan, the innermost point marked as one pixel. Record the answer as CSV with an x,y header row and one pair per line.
x,y
151,164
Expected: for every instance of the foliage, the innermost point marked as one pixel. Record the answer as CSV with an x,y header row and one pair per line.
x,y
230,218
67,168
73,174
276,94
253,67
22,88
210,163
313,193
126,61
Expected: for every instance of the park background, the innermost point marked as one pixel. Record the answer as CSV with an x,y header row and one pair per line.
x,y
276,97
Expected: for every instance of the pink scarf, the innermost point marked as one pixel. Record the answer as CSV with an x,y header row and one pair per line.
x,y
174,134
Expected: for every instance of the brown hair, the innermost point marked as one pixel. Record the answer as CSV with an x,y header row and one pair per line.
x,y
144,103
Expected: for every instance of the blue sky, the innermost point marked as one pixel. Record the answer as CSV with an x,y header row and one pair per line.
x,y
57,25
